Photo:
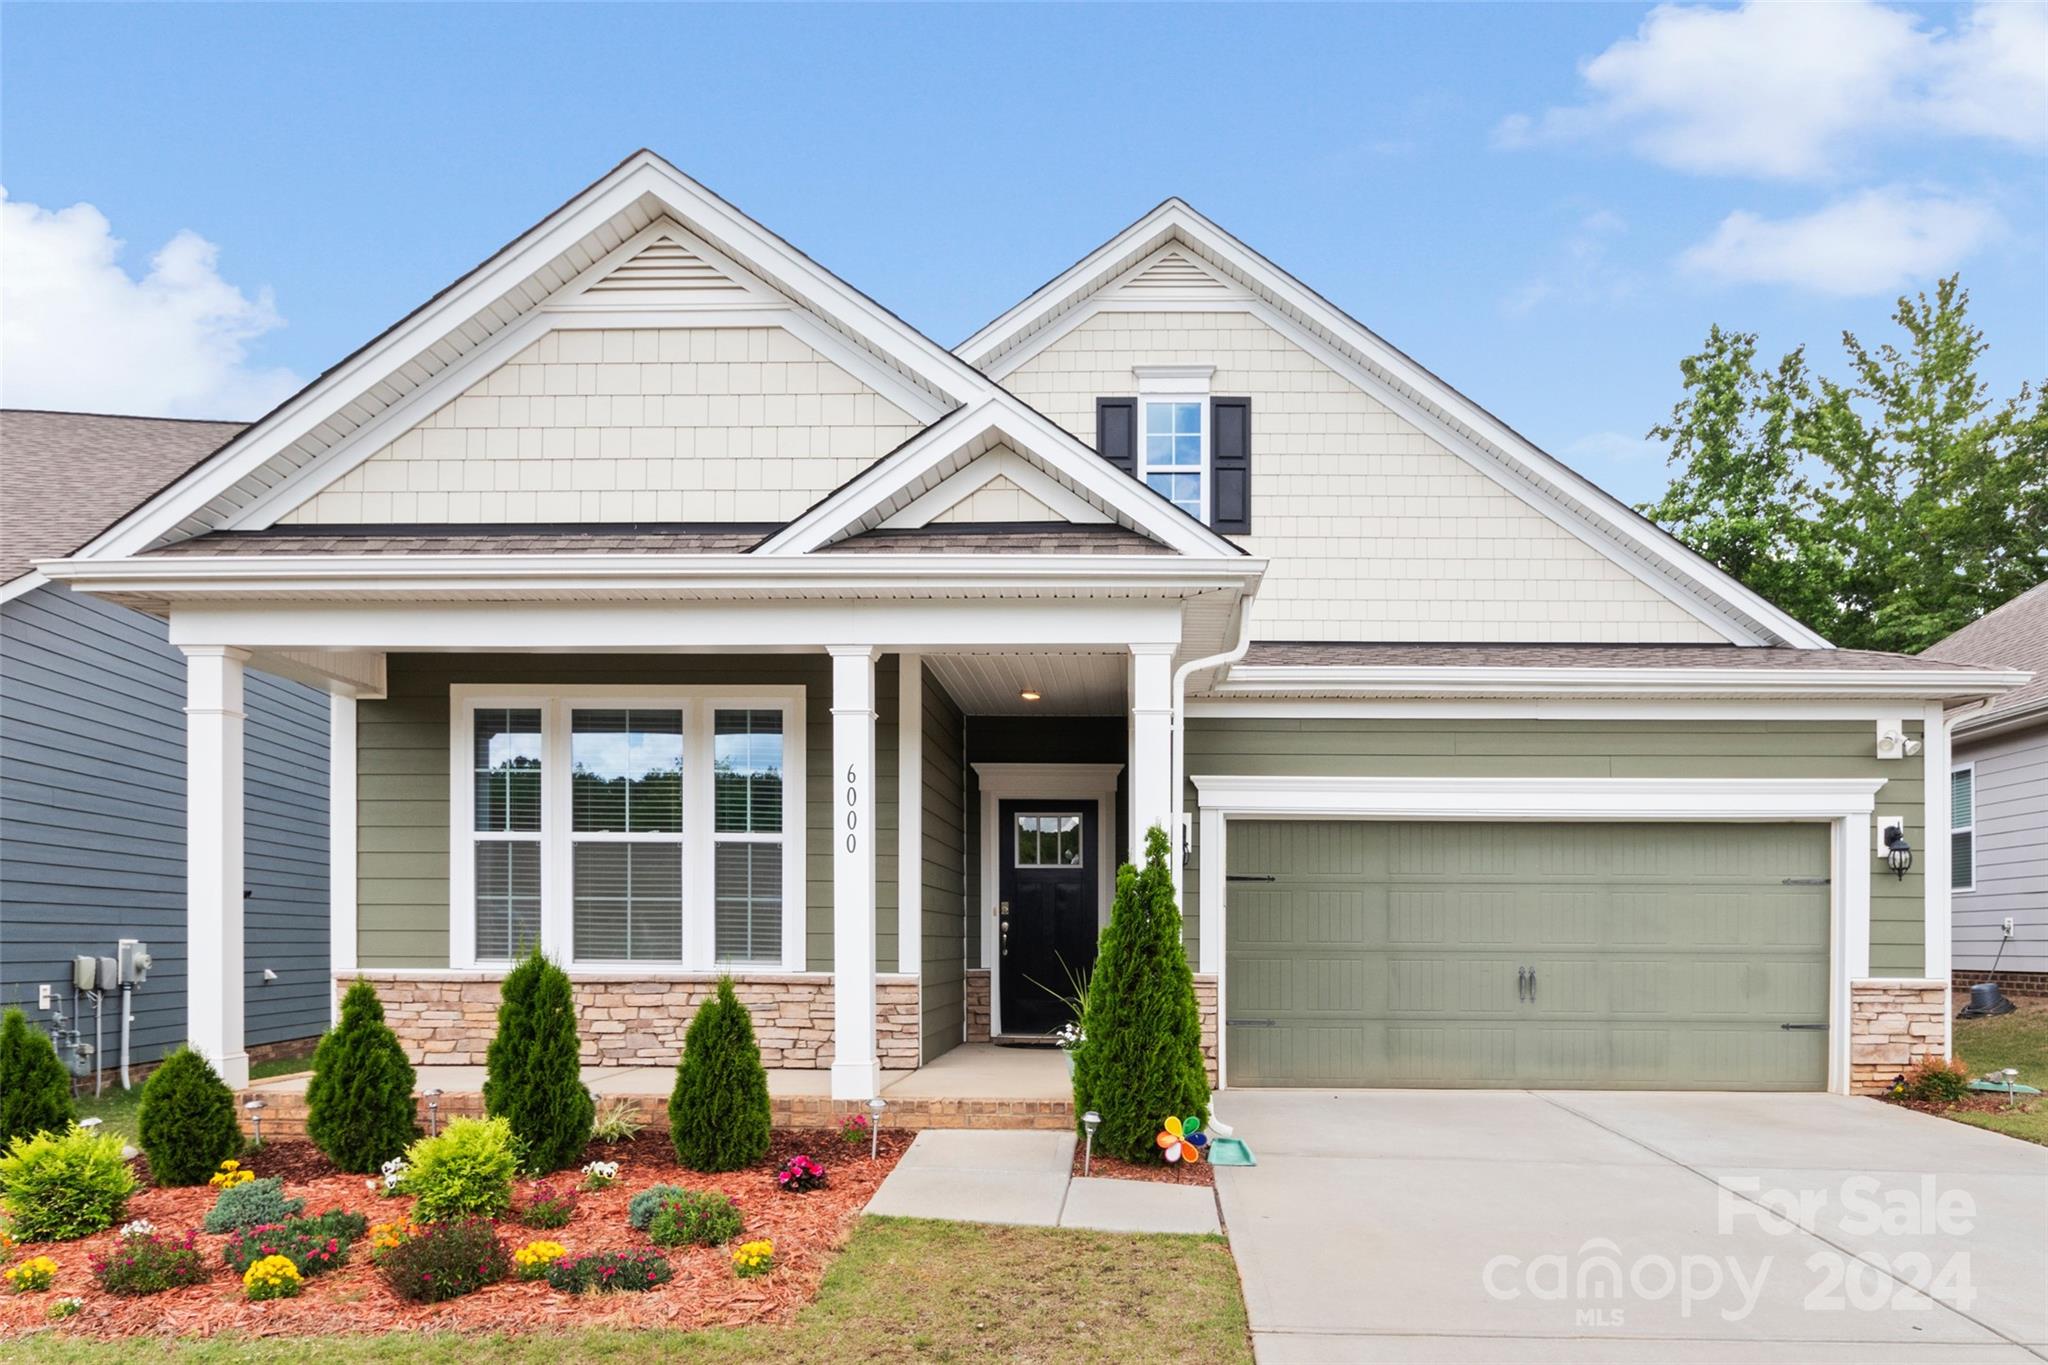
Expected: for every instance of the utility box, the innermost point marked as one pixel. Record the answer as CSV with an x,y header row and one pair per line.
x,y
134,962
85,973
110,974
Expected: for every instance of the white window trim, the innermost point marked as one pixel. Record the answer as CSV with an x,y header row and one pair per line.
x,y
1969,829
697,702
1176,384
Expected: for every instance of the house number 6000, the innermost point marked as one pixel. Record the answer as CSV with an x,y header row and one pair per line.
x,y
852,814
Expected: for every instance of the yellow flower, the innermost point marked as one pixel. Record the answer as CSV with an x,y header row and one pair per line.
x,y
388,1236
754,1258
273,1277
35,1274
230,1174
534,1258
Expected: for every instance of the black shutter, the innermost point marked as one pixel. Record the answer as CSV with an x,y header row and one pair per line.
x,y
1116,432
1230,457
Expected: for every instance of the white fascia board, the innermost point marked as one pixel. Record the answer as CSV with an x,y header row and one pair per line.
x,y
641,175
1308,680
1582,498
1003,464
17,587
1541,798
1025,430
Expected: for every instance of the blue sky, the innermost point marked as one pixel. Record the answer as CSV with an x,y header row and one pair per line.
x,y
1546,204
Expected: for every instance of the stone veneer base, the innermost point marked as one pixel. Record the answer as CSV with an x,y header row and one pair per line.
x,y
977,991
1893,1024
447,1018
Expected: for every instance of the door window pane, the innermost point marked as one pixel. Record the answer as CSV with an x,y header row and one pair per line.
x,y
1048,840
628,902
749,902
507,770
507,898
626,772
747,767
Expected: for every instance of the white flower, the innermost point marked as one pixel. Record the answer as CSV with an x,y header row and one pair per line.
x,y
607,1170
141,1227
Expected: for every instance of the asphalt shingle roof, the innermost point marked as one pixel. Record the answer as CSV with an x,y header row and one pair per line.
x,y
2014,636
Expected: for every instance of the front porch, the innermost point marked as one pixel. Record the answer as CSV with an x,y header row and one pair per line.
x,y
975,1085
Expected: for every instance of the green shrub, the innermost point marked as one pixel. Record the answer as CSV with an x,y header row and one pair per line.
x,y
187,1123
604,1271
350,1227
1937,1080
718,1114
535,1068
1143,1058
57,1186
641,1208
310,1252
149,1263
251,1204
35,1091
467,1170
446,1261
705,1219
359,1104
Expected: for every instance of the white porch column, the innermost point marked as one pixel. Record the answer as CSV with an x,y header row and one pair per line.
x,y
1151,780
910,814
341,848
213,858
856,1074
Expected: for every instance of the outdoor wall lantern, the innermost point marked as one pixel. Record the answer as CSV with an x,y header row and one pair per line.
x,y
1898,854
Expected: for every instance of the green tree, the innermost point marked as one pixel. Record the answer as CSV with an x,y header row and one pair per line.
x,y
718,1114
187,1122
359,1104
1142,1061
35,1090
534,1070
1887,511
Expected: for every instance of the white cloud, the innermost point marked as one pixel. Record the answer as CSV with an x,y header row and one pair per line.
x,y
1613,447
1872,242
77,331
1796,90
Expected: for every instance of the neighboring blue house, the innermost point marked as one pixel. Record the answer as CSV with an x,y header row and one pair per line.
x,y
92,760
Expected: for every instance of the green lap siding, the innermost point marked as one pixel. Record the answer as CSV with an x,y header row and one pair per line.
x,y
942,994
1456,747
1406,953
402,785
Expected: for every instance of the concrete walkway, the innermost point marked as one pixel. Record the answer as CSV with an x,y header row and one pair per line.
x,y
1023,1179
1604,1226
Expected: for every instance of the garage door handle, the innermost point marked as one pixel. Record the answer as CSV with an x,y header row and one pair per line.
x,y
1522,984
1818,1028
1248,877
1253,1023
1532,985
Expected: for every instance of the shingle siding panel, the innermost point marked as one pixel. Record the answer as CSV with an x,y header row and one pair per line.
x,y
92,819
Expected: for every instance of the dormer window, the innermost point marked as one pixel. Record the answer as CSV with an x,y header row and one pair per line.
x,y
1176,453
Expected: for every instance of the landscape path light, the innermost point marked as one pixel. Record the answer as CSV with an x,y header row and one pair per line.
x,y
1090,1121
255,1108
433,1111
875,1108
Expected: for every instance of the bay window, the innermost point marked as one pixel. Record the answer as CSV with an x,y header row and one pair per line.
x,y
623,828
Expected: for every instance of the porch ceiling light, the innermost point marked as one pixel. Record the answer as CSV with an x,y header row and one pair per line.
x,y
1898,854
1029,694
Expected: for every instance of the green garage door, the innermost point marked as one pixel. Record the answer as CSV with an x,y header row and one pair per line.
x,y
1627,956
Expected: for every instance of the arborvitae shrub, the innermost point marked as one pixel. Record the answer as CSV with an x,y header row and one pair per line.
x,y
359,1104
35,1091
1143,1061
187,1121
718,1115
535,1072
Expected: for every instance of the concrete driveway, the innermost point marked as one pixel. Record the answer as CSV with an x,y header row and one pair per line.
x,y
1602,1226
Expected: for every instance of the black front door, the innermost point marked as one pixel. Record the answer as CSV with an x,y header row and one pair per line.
x,y
1045,909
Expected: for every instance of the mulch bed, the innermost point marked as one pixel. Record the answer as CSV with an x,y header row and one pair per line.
x,y
1163,1173
1977,1102
807,1229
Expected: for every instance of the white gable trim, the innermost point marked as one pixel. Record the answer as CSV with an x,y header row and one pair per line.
x,y
442,332
866,499
1561,494
998,464
572,308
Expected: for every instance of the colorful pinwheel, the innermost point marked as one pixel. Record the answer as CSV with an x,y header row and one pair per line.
x,y
1183,1139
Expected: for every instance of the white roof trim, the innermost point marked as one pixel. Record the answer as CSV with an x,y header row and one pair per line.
x,y
1321,680
20,587
640,189
984,470
1539,798
882,489
1518,464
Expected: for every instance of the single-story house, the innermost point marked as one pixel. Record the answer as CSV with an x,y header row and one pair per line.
x,y
1998,799
92,767
689,612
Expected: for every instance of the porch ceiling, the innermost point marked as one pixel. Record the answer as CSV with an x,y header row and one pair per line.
x,y
991,684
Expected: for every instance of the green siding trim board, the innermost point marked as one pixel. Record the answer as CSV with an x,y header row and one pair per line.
x,y
402,785
1460,747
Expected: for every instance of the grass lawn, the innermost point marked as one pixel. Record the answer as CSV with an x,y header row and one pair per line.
x,y
2018,1040
116,1108
904,1289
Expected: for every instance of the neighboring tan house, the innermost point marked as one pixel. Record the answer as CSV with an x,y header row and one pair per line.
x,y
692,613
92,764
1998,782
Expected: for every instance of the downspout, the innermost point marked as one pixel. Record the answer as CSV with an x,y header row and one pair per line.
x,y
1949,721
1178,720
